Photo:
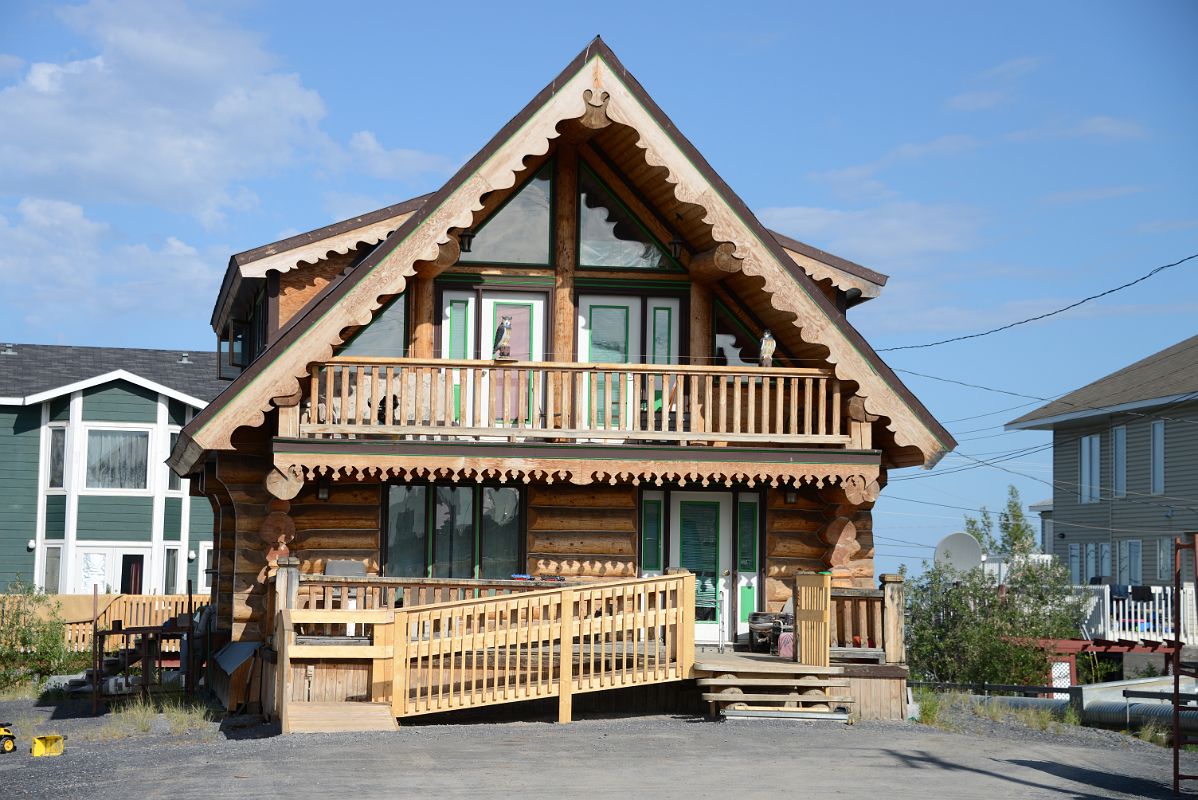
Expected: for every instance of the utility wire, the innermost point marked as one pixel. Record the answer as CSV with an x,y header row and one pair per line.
x,y
1045,315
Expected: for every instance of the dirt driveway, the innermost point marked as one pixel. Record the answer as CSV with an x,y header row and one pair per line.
x,y
627,758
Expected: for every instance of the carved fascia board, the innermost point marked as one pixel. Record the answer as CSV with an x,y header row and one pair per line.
x,y
592,90
856,479
819,271
321,249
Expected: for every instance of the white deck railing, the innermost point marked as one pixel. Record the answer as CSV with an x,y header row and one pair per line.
x,y
1148,619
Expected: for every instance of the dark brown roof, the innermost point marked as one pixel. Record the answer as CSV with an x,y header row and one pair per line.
x,y
597,47
831,260
1165,376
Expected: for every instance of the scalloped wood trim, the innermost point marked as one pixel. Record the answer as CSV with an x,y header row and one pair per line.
x,y
356,467
592,89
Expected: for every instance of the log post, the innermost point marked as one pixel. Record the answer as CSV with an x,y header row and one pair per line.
x,y
565,660
422,317
892,618
565,317
399,668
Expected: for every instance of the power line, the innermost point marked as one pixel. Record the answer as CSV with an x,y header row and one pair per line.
x,y
1055,521
1045,315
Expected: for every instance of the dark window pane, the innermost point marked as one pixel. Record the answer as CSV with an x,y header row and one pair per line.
x,y
651,535
501,533
608,235
407,545
747,537
173,481
518,233
385,337
58,444
734,345
50,574
170,571
699,524
453,532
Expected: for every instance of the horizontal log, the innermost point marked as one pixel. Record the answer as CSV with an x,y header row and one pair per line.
x,y
593,543
581,519
792,545
807,521
235,469
340,494
805,498
787,567
548,564
582,496
335,517
365,540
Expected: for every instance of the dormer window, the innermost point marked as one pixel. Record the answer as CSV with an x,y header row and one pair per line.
x,y
519,231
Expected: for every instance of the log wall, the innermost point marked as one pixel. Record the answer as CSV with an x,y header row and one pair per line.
x,y
346,527
299,286
582,531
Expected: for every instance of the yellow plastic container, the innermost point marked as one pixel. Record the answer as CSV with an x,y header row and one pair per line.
x,y
49,745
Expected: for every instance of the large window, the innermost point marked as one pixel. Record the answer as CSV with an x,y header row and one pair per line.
x,y
518,232
1119,461
1090,474
1130,562
453,532
1157,476
58,451
117,459
609,235
1164,558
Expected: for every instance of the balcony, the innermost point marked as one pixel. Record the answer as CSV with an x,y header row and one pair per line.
x,y
442,400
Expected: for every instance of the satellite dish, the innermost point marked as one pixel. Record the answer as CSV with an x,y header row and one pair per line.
x,y
959,551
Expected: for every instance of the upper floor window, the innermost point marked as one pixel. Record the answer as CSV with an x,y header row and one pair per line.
x,y
518,232
609,235
1157,468
117,459
173,482
1119,461
1090,472
1130,562
57,463
385,337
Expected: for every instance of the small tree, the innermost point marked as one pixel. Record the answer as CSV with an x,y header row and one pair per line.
x,y
1016,536
32,636
964,628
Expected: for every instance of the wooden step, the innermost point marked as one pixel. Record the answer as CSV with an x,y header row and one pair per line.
x,y
785,713
338,717
813,697
747,664
741,680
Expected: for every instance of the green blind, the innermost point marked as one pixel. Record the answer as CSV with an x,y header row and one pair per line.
x,y
651,535
746,551
699,534
457,329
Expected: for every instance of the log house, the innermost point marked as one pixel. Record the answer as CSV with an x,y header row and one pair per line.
x,y
624,426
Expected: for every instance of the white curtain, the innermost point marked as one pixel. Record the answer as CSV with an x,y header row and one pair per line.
x,y
117,459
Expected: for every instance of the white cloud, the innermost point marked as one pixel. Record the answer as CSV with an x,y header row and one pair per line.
x,y
10,63
344,205
1098,127
860,181
889,235
1090,195
70,278
997,85
174,108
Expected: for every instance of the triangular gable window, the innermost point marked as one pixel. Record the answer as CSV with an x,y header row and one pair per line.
x,y
386,336
609,236
518,232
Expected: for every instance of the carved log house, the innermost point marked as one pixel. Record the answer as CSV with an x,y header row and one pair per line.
x,y
625,425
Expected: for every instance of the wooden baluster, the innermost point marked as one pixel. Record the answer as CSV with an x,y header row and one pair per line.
x,y
751,382
794,407
736,421
450,407
637,379
314,396
480,376
779,404
765,404
622,403
807,387
835,431
823,406
389,397
679,396
708,408
343,408
524,395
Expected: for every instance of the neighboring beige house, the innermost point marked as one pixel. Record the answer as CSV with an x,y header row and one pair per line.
x,y
1125,468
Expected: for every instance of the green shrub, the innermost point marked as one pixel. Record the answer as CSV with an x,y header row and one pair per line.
x,y
32,636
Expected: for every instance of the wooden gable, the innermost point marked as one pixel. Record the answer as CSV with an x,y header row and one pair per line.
x,y
616,124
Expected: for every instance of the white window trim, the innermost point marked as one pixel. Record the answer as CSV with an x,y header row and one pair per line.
x,y
203,579
1156,457
1119,461
151,448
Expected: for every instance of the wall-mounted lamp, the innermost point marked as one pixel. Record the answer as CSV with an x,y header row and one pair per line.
x,y
1060,535
31,544
792,498
675,248
191,555
322,488
465,239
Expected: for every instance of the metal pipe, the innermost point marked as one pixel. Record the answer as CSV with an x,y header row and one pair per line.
x,y
1105,713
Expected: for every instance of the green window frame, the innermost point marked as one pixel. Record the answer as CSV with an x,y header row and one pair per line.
x,y
747,521
651,538
494,549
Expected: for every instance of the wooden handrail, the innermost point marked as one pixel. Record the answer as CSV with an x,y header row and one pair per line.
x,y
574,366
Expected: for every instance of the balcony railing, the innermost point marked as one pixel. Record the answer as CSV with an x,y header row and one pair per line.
x,y
549,401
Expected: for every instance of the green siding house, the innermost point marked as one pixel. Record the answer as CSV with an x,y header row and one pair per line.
x,y
85,498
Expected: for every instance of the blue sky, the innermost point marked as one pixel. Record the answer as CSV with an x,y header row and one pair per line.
x,y
996,160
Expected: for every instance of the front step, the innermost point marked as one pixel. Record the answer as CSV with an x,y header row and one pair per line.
x,y
782,713
743,685
802,682
349,717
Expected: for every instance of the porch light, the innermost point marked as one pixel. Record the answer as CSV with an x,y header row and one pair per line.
x,y
322,488
675,248
465,238
191,555
31,545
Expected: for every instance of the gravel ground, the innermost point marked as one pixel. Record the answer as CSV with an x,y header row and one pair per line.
x,y
628,757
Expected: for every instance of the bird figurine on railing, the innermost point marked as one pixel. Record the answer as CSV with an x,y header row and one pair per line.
x,y
767,349
503,338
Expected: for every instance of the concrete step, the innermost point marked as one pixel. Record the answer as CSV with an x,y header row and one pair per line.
x,y
811,697
783,713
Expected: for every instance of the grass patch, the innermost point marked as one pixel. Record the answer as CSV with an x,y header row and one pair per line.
x,y
137,716
1153,734
1040,719
930,707
1071,717
22,690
